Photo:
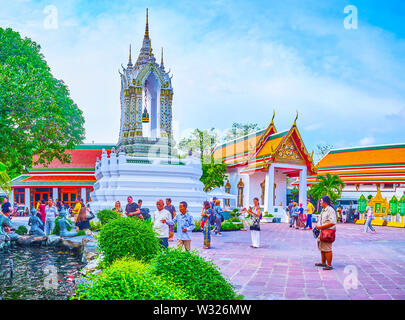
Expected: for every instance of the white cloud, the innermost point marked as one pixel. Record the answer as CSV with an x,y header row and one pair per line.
x,y
367,141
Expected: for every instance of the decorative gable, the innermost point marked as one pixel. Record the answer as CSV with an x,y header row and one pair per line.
x,y
288,152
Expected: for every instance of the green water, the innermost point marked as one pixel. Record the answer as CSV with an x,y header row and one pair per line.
x,y
38,274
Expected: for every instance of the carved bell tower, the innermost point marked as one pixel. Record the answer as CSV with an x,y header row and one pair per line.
x,y
146,102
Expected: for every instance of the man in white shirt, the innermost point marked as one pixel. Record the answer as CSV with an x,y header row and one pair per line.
x,y
51,213
160,218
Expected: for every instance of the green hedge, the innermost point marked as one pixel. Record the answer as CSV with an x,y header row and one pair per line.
x,y
229,226
127,237
127,279
107,215
95,225
21,230
200,277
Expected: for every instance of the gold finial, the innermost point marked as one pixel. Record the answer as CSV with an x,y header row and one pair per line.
x,y
274,114
296,117
161,61
147,25
312,156
130,55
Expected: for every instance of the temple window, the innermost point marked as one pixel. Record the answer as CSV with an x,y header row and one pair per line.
x,y
19,196
263,187
227,190
240,193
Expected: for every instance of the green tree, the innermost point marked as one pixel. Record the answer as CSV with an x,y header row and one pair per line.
x,y
322,150
239,130
213,175
327,185
294,193
4,178
202,141
37,115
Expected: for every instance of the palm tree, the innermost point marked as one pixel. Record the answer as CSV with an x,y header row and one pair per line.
x,y
327,185
4,178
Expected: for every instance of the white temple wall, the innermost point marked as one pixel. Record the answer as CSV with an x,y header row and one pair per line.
x,y
256,179
281,189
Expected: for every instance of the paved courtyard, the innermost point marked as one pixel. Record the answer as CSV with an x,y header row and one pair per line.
x,y
283,268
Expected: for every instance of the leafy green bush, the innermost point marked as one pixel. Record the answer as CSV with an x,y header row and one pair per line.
x,y
268,216
106,216
95,225
235,213
127,238
21,230
81,233
229,226
128,279
200,277
234,219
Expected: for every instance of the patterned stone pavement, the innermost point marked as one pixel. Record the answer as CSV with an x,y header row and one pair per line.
x,y
283,267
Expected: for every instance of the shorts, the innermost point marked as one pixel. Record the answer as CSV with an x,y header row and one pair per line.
x,y
324,246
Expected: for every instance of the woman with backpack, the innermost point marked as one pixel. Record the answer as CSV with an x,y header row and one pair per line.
x,y
207,216
218,217
82,221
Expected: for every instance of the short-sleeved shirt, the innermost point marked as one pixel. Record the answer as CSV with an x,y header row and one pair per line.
x,y
171,209
50,213
328,215
310,208
130,208
161,228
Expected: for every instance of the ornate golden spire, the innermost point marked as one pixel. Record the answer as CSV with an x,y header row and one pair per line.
x,y
130,56
272,119
161,60
295,121
147,25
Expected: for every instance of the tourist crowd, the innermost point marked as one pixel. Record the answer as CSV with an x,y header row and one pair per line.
x,y
165,217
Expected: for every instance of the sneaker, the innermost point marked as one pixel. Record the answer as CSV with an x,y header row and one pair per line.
x,y
320,265
328,268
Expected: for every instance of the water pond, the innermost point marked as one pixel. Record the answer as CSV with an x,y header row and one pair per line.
x,y
38,273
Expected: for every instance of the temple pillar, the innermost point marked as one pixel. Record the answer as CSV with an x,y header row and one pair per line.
x,y
83,194
27,198
54,193
269,189
246,190
302,196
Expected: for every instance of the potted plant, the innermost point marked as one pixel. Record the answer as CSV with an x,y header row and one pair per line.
x,y
267,217
235,213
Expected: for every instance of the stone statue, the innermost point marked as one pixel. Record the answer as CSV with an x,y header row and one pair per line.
x,y
4,237
64,224
36,224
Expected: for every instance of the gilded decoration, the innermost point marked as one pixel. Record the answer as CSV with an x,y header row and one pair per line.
x,y
289,151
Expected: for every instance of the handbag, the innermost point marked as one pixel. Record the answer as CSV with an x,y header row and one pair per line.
x,y
250,221
304,217
328,235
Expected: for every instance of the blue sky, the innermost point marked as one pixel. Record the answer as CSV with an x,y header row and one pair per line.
x,y
235,61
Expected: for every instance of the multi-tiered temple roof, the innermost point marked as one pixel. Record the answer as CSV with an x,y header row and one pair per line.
x,y
370,164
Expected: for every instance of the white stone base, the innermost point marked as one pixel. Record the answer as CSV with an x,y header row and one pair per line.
x,y
148,179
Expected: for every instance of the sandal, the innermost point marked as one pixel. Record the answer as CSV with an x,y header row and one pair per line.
x,y
320,265
328,268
